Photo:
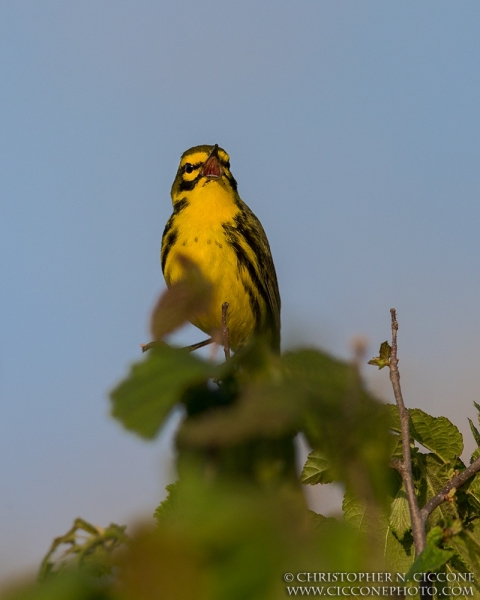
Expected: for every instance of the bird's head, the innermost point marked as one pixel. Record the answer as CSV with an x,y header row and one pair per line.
x,y
200,166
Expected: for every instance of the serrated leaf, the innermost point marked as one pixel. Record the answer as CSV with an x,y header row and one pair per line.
x,y
143,400
397,449
378,362
354,512
400,514
475,432
398,554
432,557
319,520
383,360
385,350
473,489
467,544
316,470
167,505
475,455
437,434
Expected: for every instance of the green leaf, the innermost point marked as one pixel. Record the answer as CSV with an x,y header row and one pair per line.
x,y
69,584
262,409
400,514
354,512
143,400
431,475
473,491
168,504
383,360
432,557
342,420
84,545
467,545
235,543
475,432
397,554
316,470
319,520
397,449
437,434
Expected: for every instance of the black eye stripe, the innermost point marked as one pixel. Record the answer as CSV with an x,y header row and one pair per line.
x,y
188,168
192,167
225,163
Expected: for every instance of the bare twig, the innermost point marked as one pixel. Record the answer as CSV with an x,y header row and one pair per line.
x,y
405,466
225,330
156,344
454,483
198,345
150,345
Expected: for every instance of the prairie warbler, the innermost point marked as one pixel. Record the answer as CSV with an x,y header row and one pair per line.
x,y
214,228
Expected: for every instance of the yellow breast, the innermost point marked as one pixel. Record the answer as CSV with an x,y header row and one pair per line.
x,y
199,235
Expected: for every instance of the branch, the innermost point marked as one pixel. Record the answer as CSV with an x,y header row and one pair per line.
x,y
225,331
454,483
405,465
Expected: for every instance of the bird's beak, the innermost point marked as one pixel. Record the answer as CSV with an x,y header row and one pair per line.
x,y
212,166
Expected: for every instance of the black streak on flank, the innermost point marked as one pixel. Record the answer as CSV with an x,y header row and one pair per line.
x,y
255,243
167,246
232,234
254,305
248,235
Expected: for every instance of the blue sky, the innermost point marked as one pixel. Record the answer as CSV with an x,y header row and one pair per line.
x,y
353,132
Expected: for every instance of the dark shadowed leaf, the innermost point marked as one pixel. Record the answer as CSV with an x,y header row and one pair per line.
x,y
342,421
431,475
262,409
143,400
433,557
467,545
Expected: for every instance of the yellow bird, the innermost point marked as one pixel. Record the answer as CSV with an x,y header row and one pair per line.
x,y
214,228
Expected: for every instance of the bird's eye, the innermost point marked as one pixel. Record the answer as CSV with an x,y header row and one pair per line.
x,y
188,168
